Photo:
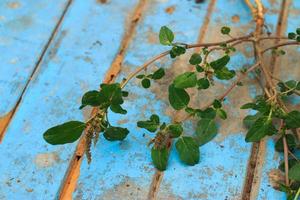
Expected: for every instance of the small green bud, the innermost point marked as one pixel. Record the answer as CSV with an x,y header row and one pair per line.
x,y
292,36
225,30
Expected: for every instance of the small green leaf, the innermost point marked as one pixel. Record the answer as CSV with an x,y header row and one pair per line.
x,y
290,139
151,125
65,133
292,119
195,59
178,98
208,113
177,51
140,76
166,36
220,63
175,130
224,73
188,150
217,103
225,30
206,131
185,80
146,83
112,93
298,38
160,158
261,128
115,133
203,83
158,74
222,113
298,31
199,68
91,98
291,162
248,106
249,120
118,109
294,172
292,36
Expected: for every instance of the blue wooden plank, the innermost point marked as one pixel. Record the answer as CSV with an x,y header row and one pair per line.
x,y
124,170
286,63
25,28
75,62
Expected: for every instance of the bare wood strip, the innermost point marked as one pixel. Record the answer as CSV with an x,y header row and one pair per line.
x,y
158,176
5,121
71,178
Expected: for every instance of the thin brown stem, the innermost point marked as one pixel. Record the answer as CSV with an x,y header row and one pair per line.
x,y
280,45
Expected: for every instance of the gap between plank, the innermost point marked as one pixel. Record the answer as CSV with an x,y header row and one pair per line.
x,y
258,151
70,180
6,119
158,176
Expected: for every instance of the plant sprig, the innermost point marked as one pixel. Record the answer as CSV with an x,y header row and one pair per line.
x,y
269,108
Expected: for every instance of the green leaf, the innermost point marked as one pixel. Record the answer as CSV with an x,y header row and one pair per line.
x,y
115,133
224,73
217,103
220,63
65,133
185,80
292,36
206,131
160,158
177,51
140,76
91,98
118,109
208,113
188,150
292,119
261,128
203,83
290,139
222,113
294,172
166,36
178,98
225,30
250,119
158,74
146,83
112,93
291,162
298,31
199,68
175,130
195,59
248,106
151,125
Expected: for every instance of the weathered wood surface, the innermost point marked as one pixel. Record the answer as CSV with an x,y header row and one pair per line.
x,y
55,51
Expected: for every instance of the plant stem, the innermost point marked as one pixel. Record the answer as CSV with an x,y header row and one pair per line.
x,y
280,45
298,194
286,154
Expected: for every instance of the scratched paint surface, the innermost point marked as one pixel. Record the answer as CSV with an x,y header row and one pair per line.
x,y
75,62
273,158
24,31
89,37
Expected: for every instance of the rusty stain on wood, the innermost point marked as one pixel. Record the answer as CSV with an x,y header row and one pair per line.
x,y
71,178
158,176
4,121
280,29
